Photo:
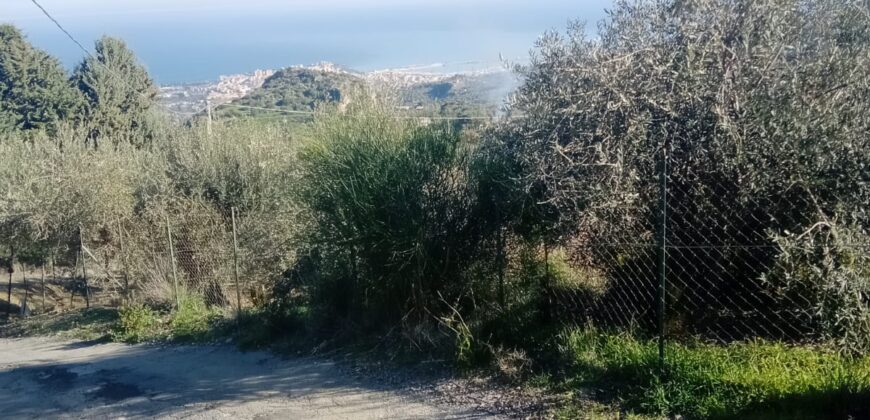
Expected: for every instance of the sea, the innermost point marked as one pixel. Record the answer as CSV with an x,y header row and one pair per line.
x,y
187,41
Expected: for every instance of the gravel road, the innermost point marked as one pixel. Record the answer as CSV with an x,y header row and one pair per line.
x,y
47,378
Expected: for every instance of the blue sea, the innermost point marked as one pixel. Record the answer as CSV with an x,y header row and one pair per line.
x,y
195,40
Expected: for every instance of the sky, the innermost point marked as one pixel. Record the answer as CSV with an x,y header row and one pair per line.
x,y
196,40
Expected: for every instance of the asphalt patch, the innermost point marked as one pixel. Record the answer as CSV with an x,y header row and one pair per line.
x,y
116,391
56,378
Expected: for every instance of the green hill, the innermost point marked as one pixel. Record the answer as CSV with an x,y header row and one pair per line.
x,y
303,89
292,89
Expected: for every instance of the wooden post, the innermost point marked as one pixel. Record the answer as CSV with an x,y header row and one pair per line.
x,y
84,269
72,290
172,259
43,287
26,293
126,262
10,269
236,266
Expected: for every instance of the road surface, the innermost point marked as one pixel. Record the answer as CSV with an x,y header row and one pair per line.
x,y
46,378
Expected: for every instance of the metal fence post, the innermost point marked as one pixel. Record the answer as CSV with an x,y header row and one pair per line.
x,y
236,265
663,252
172,260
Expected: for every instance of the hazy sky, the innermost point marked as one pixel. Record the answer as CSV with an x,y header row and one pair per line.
x,y
187,40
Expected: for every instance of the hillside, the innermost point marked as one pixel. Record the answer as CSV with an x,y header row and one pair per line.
x,y
459,95
293,89
423,94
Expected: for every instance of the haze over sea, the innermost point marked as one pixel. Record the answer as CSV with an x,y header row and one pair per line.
x,y
195,40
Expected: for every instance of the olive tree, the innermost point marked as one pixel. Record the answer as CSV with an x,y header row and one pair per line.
x,y
760,109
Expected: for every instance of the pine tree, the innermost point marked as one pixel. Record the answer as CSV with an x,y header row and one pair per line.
x,y
35,92
119,95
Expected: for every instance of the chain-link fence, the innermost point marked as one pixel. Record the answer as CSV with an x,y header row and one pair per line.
x,y
691,251
159,259
704,254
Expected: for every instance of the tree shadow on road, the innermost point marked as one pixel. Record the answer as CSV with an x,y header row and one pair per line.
x,y
112,380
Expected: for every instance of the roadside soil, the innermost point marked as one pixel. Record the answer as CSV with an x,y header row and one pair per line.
x,y
49,378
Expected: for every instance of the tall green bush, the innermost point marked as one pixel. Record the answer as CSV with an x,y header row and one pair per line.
x,y
389,204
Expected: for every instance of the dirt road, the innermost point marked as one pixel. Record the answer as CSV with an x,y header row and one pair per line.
x,y
46,378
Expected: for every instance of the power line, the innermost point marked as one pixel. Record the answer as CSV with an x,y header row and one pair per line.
x,y
88,53
59,26
289,111
285,111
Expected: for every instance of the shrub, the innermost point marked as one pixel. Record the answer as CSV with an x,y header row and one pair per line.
x,y
136,323
389,211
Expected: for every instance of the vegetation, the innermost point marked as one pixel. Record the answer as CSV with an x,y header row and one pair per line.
x,y
136,323
119,95
35,92
84,324
388,197
298,91
756,379
193,318
460,96
758,107
294,89
194,321
483,243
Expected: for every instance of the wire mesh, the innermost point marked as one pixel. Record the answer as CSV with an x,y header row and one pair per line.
x,y
742,261
163,257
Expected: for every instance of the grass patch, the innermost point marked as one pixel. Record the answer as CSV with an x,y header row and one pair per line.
x,y
194,320
79,324
758,379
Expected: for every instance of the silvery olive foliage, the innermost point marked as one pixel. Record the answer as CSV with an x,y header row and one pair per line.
x,y
761,110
